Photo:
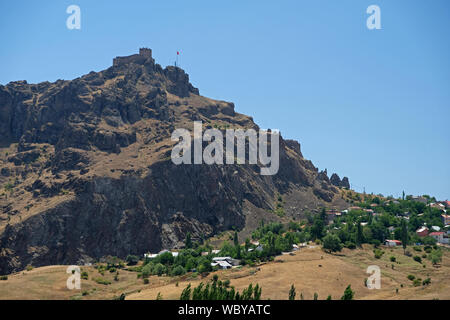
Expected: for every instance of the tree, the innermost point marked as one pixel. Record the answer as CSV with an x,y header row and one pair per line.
x,y
332,243
292,293
188,241
348,293
178,271
186,294
359,235
436,256
159,269
404,234
132,260
235,240
317,228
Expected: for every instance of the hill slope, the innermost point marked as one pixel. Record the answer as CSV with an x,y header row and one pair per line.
x,y
86,170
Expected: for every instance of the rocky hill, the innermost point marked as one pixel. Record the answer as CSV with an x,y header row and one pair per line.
x,y
85,168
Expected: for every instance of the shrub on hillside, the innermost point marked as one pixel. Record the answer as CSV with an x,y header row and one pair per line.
x,y
102,281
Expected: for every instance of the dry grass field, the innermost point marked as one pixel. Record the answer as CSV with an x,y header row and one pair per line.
x,y
310,270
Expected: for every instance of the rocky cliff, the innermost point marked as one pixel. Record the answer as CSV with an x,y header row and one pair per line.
x,y
85,168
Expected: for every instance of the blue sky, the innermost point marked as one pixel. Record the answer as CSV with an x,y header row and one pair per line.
x,y
372,105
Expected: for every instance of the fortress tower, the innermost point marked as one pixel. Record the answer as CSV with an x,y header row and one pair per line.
x,y
142,57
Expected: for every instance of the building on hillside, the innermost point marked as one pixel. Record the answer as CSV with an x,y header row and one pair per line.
x,y
420,199
437,205
150,255
215,251
222,264
154,255
446,203
422,231
445,219
440,237
230,260
392,243
435,228
331,215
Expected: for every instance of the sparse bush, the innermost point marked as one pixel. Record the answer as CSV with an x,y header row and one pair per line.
x,y
418,259
146,281
426,282
29,267
417,282
102,281
4,278
350,245
411,277
84,275
417,248
393,259
378,253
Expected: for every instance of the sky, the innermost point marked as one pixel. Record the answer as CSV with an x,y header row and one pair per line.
x,y
373,105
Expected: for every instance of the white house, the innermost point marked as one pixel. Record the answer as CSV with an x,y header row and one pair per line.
x,y
229,260
154,255
222,264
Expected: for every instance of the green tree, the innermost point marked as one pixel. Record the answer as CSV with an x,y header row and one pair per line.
x,y
332,243
292,293
317,229
348,293
359,234
235,239
404,235
188,241
132,260
186,294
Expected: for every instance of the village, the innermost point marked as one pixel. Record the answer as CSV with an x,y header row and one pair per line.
x,y
335,220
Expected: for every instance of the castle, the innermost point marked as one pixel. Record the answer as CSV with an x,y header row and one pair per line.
x,y
141,58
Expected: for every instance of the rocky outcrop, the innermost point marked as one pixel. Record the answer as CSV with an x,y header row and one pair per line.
x,y
86,165
336,181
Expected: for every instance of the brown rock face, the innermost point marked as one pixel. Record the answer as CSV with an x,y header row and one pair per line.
x,y
85,168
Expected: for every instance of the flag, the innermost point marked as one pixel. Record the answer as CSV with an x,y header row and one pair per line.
x,y
178,53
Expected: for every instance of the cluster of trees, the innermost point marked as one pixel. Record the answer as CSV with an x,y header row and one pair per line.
x,y
348,231
187,260
349,294
220,290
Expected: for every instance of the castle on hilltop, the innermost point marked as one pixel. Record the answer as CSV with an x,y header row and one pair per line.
x,y
144,55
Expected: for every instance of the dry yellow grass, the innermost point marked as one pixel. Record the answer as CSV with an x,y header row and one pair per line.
x,y
310,270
